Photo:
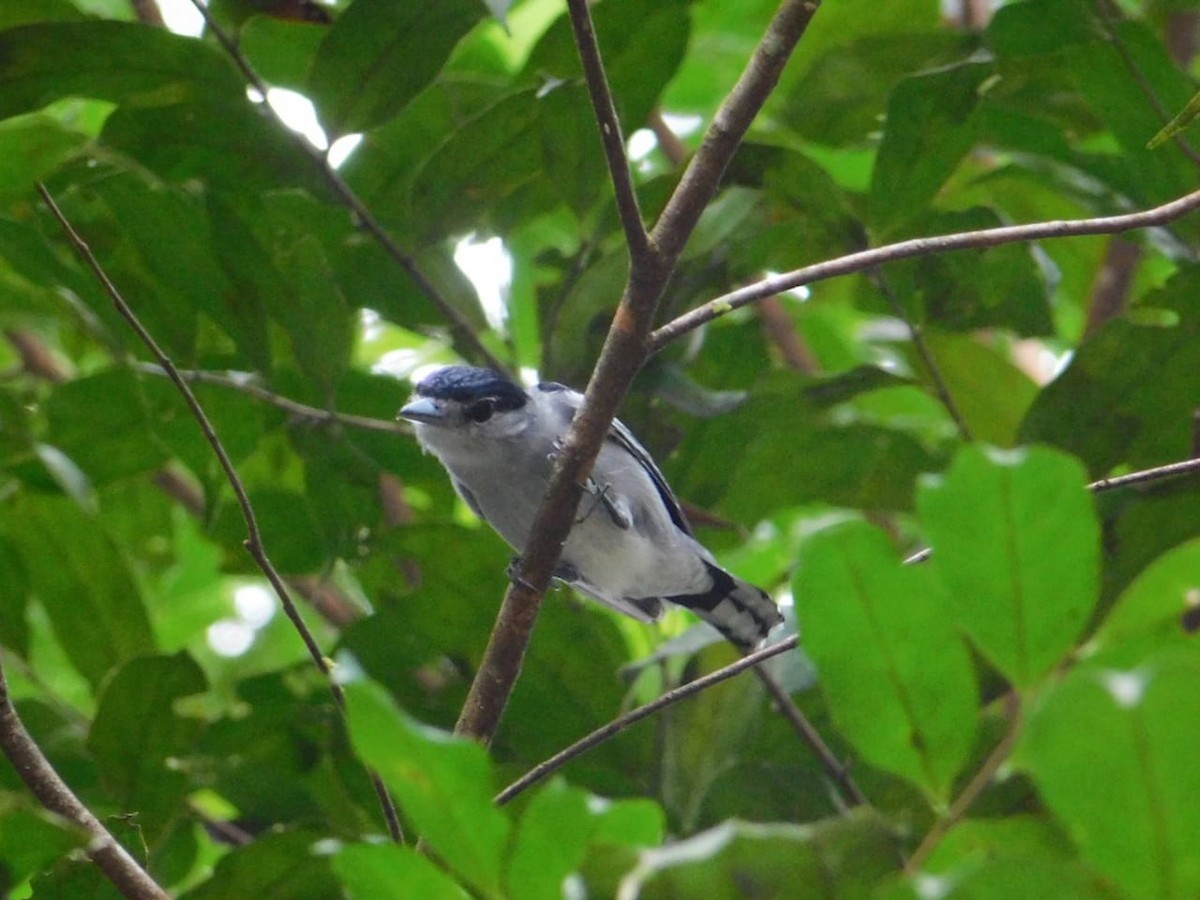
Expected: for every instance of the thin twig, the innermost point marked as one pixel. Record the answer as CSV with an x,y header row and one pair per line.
x,y
940,387
971,792
611,136
808,733
243,384
1158,473
254,542
625,350
549,766
54,794
924,246
364,217
1111,26
703,175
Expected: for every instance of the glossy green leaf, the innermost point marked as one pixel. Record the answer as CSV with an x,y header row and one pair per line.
x,y
378,56
1130,806
898,678
442,783
1016,542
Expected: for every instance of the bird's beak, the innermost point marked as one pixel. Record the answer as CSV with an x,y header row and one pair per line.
x,y
423,410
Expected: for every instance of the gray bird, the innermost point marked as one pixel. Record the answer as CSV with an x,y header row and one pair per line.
x,y
631,546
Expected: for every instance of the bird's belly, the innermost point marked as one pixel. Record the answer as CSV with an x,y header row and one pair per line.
x,y
624,563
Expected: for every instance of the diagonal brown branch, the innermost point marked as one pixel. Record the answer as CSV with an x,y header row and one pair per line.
x,y
926,246
625,350
254,542
53,793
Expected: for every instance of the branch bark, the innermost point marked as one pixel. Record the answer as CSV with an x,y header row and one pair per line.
x,y
926,246
625,350
254,541
52,792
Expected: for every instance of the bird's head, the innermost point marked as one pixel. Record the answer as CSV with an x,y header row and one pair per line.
x,y
468,404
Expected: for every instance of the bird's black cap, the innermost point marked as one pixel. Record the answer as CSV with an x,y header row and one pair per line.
x,y
464,384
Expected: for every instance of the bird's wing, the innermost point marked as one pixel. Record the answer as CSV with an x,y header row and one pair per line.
x,y
619,434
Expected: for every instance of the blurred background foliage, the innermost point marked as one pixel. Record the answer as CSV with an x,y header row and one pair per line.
x,y
809,432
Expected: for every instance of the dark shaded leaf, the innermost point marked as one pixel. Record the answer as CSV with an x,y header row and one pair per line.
x,y
378,56
137,737
930,127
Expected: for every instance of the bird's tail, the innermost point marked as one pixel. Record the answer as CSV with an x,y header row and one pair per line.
x,y
743,613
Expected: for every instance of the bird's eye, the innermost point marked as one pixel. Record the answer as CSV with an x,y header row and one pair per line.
x,y
480,410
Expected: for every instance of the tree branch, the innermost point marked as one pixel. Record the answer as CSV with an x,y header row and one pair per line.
x,y
363,215
549,766
54,794
254,542
611,136
703,175
625,350
926,246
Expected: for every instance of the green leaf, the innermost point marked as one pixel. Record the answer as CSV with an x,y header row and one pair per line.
x,y
971,289
1103,407
379,55
370,871
31,147
1155,605
839,858
642,45
551,842
1112,753
116,61
898,678
704,738
442,783
14,591
84,583
989,391
1016,542
137,736
930,128
274,865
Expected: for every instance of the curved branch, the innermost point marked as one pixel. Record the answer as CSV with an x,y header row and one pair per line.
x,y
254,542
926,246
625,351
53,793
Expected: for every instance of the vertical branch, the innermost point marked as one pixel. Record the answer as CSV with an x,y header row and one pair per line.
x,y
53,793
625,350
611,136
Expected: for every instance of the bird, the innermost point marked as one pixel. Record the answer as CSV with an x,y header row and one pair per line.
x,y
631,546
